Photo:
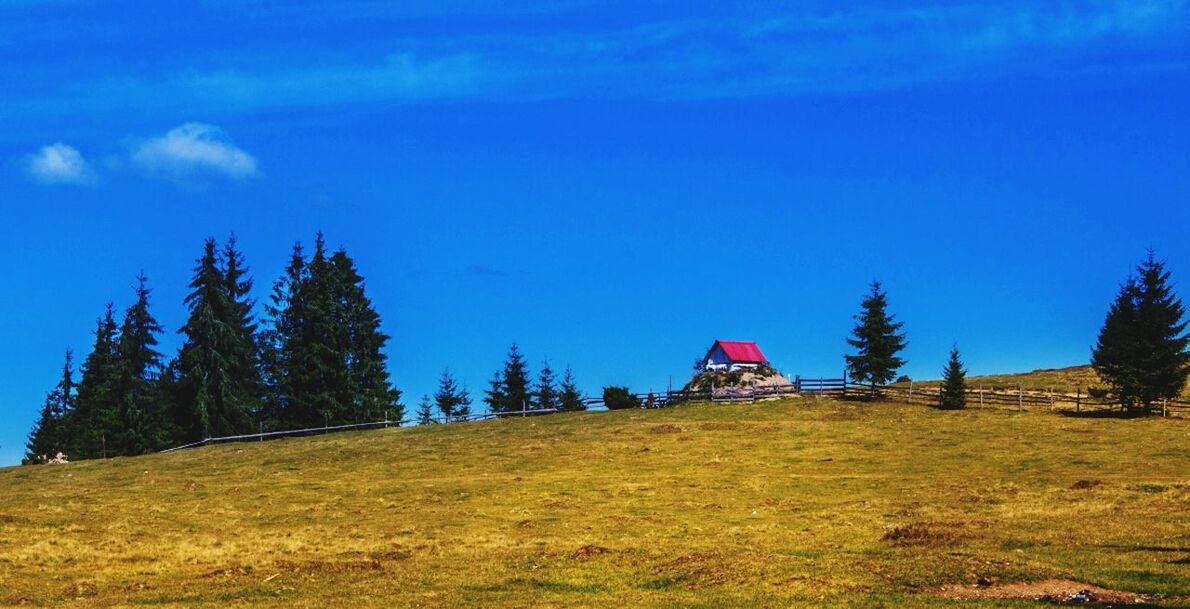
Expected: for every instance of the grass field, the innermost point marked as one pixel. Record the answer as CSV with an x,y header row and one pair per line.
x,y
797,503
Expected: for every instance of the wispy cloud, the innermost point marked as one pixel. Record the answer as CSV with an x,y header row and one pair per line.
x,y
757,53
59,164
192,151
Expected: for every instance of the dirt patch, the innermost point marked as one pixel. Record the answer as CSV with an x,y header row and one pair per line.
x,y
589,551
235,571
926,534
323,566
667,428
1050,591
1083,485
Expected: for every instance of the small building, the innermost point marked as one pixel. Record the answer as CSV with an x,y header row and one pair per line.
x,y
732,355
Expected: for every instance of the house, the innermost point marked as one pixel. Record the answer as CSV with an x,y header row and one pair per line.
x,y
733,355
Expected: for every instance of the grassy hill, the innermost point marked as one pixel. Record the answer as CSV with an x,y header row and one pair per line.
x,y
1061,380
801,503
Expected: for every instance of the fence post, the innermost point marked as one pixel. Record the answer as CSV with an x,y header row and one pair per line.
x,y
1051,399
797,384
910,392
1165,407
1078,399
981,396
1020,398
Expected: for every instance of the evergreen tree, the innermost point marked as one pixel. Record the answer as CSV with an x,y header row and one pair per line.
x,y
279,340
494,395
448,397
1141,351
48,437
215,388
954,383
425,411
877,339
141,424
323,357
463,404
546,394
369,392
244,355
515,382
570,398
96,404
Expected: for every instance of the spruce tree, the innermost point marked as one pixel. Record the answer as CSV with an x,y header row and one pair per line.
x,y
96,404
279,340
570,398
515,382
369,394
953,393
494,395
214,389
878,341
48,437
319,368
448,397
546,394
141,424
463,404
244,355
1141,351
425,411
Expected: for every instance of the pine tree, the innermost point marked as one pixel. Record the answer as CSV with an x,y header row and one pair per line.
x,y
954,383
48,437
546,394
570,398
96,404
370,394
244,355
323,356
319,367
425,411
463,404
215,389
279,339
515,382
447,398
877,340
141,425
1141,351
494,395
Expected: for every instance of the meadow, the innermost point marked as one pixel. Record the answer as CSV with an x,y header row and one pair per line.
x,y
793,503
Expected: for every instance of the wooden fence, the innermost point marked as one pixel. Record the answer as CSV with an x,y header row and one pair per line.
x,y
998,397
1024,399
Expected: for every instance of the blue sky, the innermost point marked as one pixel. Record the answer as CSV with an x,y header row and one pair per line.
x,y
612,185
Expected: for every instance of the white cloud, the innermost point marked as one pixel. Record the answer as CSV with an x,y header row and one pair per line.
x,y
59,164
192,151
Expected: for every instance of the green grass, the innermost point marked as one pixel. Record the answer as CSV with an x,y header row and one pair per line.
x,y
797,503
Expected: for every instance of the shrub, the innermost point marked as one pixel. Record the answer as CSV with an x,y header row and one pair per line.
x,y
619,398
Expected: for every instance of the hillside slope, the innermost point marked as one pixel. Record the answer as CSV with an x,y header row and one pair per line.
x,y
802,503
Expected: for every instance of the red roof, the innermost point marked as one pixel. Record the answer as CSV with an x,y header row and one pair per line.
x,y
742,351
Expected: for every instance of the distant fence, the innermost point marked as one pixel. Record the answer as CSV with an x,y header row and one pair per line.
x,y
311,431
1025,399
997,397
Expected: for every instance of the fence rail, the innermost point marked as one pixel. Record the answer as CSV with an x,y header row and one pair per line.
x,y
308,431
1019,399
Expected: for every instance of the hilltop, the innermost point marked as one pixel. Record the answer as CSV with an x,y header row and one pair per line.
x,y
801,502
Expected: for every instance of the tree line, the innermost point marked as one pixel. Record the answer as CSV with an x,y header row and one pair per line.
x,y
512,389
316,358
1140,355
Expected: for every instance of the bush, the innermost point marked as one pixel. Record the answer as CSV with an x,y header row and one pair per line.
x,y
619,398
